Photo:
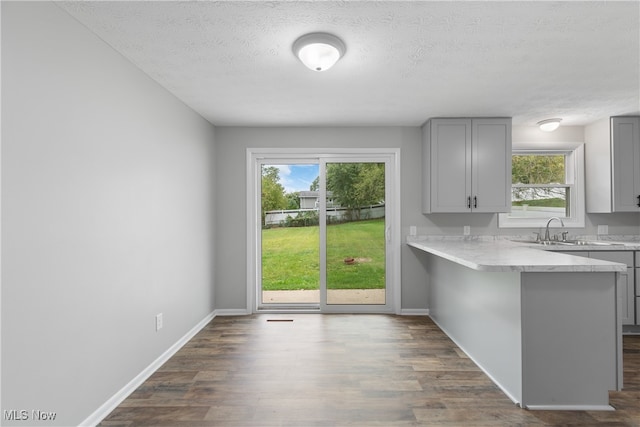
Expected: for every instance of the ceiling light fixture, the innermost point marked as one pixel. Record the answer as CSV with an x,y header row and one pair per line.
x,y
319,51
549,125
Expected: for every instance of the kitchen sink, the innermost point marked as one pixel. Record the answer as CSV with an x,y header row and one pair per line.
x,y
568,242
546,243
592,243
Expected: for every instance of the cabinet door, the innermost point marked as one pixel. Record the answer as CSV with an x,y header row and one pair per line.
x,y
625,137
450,165
637,286
623,257
626,282
627,298
491,165
637,296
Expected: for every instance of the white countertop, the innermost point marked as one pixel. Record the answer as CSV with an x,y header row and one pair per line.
x,y
504,255
592,245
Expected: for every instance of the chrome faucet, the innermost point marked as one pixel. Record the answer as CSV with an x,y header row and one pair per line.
x,y
546,233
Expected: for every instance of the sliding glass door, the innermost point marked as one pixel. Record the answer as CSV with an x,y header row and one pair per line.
x,y
323,237
354,231
290,235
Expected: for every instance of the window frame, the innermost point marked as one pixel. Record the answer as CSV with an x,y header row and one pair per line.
x,y
255,156
574,173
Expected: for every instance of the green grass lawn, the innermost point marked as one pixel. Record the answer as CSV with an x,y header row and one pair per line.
x,y
291,257
551,203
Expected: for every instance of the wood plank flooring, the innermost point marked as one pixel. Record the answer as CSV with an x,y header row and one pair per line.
x,y
341,370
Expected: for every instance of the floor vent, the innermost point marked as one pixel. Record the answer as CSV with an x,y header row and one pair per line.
x,y
279,320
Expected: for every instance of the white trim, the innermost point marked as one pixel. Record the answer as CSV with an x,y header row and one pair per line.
x,y
1,186
414,312
396,242
255,154
252,256
570,408
107,407
232,312
322,180
576,180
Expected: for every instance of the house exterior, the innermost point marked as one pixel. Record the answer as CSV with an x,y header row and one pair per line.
x,y
311,199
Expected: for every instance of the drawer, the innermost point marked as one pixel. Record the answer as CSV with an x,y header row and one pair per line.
x,y
637,310
625,257
637,258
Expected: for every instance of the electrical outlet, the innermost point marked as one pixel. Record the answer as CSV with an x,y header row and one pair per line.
x,y
603,229
413,230
158,321
467,230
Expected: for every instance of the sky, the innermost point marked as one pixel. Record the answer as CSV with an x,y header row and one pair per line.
x,y
297,177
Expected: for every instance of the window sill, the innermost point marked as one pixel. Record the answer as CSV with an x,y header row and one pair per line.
x,y
505,222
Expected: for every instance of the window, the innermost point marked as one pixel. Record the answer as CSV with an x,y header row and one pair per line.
x,y
546,183
539,186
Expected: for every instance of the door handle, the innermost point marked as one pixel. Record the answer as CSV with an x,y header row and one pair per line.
x,y
469,202
639,201
475,201
388,234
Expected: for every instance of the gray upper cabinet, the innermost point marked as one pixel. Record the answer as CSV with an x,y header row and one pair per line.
x,y
612,160
466,165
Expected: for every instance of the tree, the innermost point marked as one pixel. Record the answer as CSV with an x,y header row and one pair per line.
x,y
537,169
370,184
533,170
341,179
356,184
293,200
315,185
273,197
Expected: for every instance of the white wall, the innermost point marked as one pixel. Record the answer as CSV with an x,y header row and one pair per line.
x,y
107,216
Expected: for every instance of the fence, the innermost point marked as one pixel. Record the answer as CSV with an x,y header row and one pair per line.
x,y
279,217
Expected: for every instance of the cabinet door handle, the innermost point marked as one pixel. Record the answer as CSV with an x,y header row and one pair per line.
x,y
475,201
639,201
469,202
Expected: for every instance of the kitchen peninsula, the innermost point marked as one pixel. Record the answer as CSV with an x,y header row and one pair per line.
x,y
543,325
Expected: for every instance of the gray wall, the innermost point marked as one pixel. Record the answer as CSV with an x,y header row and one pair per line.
x,y
107,216
487,224
231,145
108,213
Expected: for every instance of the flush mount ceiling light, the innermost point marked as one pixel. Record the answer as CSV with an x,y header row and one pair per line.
x,y
319,51
549,125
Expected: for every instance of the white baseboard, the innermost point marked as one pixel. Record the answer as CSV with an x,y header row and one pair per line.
x,y
106,408
414,312
232,312
570,408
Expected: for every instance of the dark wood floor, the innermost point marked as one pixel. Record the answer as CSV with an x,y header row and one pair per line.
x,y
341,370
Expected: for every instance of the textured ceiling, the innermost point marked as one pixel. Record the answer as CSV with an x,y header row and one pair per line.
x,y
405,62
